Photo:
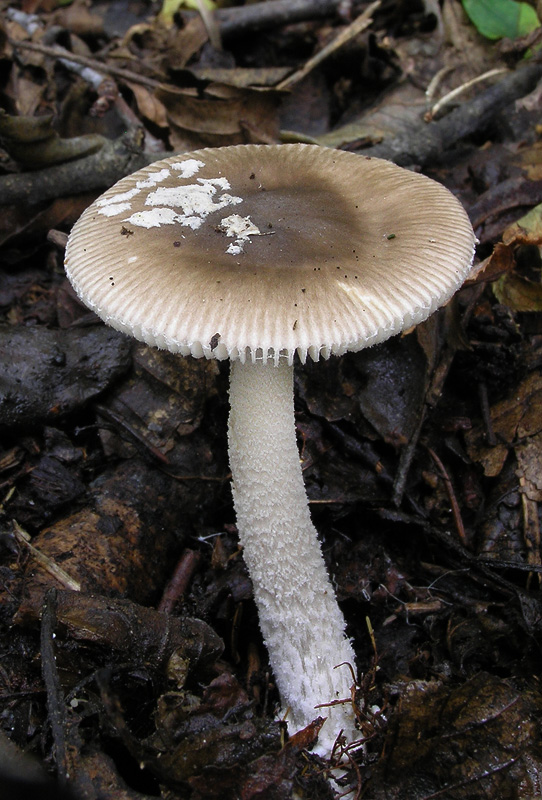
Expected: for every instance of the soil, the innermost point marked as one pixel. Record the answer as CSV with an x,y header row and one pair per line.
x,y
131,663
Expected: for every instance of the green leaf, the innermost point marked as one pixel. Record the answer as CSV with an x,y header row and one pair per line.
x,y
170,7
518,293
496,19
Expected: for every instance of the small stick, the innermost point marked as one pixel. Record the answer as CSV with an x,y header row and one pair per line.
x,y
211,25
405,461
447,98
179,582
117,419
62,54
48,564
255,17
491,439
58,238
453,499
360,24
56,708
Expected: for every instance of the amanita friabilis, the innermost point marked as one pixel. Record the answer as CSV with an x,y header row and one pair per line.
x,y
257,253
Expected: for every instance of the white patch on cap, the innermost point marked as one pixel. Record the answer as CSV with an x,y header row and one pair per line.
x,y
242,228
182,205
196,199
188,168
116,204
163,216
117,198
153,179
114,208
191,222
221,183
154,218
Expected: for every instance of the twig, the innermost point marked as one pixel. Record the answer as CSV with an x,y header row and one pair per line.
x,y
56,709
426,142
405,461
134,434
456,513
491,439
98,171
433,84
211,25
251,19
180,581
58,238
61,54
477,777
48,564
447,98
354,29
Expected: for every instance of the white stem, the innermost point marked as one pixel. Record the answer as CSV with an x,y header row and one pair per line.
x,y
300,619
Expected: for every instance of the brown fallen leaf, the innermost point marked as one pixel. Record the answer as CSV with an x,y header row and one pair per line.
x,y
139,634
118,545
518,293
526,230
240,77
480,739
149,106
160,403
517,416
221,116
499,263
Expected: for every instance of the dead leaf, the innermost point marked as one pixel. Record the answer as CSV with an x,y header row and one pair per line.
x,y
134,630
529,457
499,263
402,108
516,417
529,472
17,224
148,104
34,143
163,400
492,725
241,77
221,116
527,230
79,19
518,293
117,546
185,43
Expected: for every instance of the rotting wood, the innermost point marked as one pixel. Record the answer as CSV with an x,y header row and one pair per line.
x,y
427,142
250,19
421,144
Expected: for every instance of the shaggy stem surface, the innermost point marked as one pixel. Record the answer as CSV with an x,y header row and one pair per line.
x,y
300,619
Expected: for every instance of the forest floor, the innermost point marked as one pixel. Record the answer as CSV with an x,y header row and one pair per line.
x,y
131,663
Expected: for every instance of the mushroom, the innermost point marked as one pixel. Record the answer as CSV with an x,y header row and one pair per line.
x,y
259,254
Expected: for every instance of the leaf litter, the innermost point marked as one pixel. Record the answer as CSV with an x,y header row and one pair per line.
x,y
422,458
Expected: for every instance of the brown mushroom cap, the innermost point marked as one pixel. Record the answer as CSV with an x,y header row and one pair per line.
x,y
262,251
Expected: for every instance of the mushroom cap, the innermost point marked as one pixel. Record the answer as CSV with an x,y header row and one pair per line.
x,y
261,251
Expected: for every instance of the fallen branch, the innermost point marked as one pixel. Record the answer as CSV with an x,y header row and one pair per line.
x,y
422,144
69,58
360,24
98,171
427,141
56,707
251,19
